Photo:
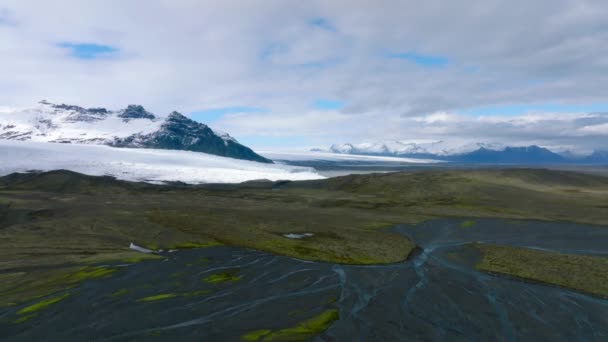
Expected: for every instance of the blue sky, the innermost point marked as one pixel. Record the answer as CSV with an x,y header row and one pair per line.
x,y
322,23
421,59
88,50
287,72
327,104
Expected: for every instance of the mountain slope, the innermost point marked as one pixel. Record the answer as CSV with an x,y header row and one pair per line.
x,y
129,127
181,133
476,153
511,155
597,157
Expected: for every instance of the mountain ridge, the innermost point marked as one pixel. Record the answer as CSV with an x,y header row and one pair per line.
x,y
473,153
132,127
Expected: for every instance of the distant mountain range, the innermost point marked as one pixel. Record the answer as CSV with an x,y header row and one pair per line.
x,y
476,153
130,127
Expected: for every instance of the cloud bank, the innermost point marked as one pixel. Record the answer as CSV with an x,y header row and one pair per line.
x,y
401,69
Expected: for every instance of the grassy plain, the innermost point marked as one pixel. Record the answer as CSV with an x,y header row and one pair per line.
x,y
583,273
54,224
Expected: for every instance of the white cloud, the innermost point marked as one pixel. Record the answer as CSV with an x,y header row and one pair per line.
x,y
190,55
560,131
601,129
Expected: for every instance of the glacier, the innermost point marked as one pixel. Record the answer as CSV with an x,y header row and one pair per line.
x,y
336,157
147,165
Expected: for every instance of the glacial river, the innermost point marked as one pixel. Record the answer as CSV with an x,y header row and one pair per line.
x,y
437,295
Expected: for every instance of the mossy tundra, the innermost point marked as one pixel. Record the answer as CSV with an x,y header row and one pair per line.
x,y
583,273
53,224
301,332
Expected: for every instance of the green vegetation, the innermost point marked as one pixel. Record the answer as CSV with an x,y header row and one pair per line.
x,y
256,335
230,275
57,222
20,287
301,332
583,273
42,304
173,295
90,273
25,318
186,245
142,257
467,224
120,292
157,297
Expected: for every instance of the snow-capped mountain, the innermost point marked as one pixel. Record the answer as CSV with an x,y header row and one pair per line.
x,y
480,153
401,148
130,127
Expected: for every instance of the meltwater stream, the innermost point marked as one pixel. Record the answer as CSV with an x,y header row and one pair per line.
x,y
437,295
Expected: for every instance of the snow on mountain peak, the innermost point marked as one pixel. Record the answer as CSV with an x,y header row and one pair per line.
x,y
133,126
50,122
342,148
402,147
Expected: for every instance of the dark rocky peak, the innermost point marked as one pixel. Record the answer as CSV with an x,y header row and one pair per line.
x,y
135,112
63,106
179,122
177,116
78,109
97,111
69,107
60,106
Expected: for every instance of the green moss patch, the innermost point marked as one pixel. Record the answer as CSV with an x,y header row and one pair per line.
x,y
158,297
467,224
255,335
118,256
187,245
24,318
31,285
227,276
587,274
90,273
163,296
302,331
142,257
42,304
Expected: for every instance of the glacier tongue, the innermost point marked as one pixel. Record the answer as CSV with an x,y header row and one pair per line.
x,y
149,165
